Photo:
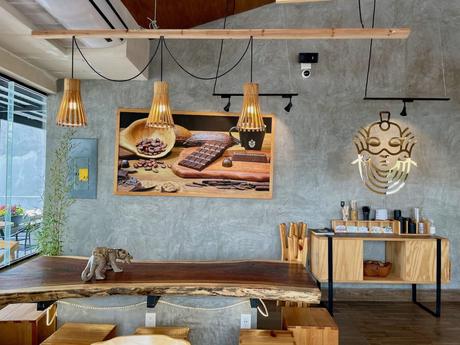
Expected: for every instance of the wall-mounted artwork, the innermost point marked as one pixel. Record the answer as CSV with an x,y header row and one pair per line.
x,y
384,155
202,155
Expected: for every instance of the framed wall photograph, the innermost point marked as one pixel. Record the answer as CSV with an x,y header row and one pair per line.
x,y
204,155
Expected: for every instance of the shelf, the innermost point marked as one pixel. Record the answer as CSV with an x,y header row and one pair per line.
x,y
390,279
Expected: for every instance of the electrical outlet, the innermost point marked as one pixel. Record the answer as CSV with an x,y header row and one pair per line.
x,y
245,321
150,319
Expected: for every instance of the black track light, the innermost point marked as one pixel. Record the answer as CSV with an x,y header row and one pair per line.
x,y
288,107
404,110
227,106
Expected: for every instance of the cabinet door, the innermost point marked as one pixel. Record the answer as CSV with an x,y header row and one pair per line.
x,y
347,258
421,261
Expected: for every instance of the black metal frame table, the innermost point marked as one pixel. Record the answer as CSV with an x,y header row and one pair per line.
x,y
330,274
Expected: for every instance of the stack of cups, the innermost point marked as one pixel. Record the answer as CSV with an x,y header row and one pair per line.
x,y
381,214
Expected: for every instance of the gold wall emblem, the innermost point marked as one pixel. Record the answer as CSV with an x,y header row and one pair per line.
x,y
384,155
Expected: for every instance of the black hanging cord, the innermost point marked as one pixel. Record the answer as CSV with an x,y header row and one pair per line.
x,y
360,14
403,99
161,57
110,79
73,48
370,53
221,46
207,78
252,54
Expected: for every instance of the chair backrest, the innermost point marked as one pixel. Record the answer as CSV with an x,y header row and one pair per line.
x,y
294,243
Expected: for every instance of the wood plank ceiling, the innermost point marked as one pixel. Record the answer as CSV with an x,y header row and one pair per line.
x,y
186,14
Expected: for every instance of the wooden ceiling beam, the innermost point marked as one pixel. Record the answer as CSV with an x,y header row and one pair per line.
x,y
296,34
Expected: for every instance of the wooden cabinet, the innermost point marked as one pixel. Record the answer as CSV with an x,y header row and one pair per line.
x,y
22,324
413,258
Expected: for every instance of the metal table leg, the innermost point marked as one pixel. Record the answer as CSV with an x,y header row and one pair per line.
x,y
437,311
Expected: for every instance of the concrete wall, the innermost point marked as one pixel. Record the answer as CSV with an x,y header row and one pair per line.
x,y
314,141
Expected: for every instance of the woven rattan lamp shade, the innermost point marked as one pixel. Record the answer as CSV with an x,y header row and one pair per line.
x,y
160,113
251,116
71,112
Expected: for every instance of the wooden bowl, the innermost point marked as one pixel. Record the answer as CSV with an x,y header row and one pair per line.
x,y
131,136
377,268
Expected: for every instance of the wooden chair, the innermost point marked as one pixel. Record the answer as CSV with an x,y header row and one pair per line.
x,y
294,249
266,337
13,245
144,340
294,243
81,334
311,326
173,332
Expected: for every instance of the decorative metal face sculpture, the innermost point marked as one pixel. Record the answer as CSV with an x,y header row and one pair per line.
x,y
384,155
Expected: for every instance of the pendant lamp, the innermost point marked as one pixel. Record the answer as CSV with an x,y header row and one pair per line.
x,y
160,115
251,116
71,111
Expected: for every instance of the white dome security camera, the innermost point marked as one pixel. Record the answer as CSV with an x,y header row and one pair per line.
x,y
305,69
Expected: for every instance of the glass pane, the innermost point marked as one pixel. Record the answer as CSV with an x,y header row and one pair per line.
x,y
24,182
7,89
4,242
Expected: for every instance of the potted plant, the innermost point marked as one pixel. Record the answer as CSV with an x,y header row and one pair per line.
x,y
17,214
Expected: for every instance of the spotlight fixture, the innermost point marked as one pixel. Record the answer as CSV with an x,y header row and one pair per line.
x,y
160,115
288,107
227,106
404,110
71,111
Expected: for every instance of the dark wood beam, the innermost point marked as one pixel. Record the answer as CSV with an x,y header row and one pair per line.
x,y
186,14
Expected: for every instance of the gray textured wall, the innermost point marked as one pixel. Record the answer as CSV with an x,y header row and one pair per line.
x,y
313,144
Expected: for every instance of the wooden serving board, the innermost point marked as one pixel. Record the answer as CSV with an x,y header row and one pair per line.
x,y
52,278
246,171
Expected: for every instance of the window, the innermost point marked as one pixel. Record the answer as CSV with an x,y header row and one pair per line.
x,y
22,168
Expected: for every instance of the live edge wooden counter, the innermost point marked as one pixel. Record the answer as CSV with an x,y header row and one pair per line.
x,y
54,278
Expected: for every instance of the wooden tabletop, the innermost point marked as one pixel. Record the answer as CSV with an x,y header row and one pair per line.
x,y
53,278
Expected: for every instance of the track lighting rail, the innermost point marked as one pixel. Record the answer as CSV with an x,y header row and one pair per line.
x,y
406,99
282,95
229,96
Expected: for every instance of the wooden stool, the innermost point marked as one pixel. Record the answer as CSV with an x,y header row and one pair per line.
x,y
152,339
173,332
265,337
311,326
81,334
22,324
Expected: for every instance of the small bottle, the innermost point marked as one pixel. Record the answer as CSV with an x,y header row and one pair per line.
x,y
345,211
354,210
421,228
432,228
